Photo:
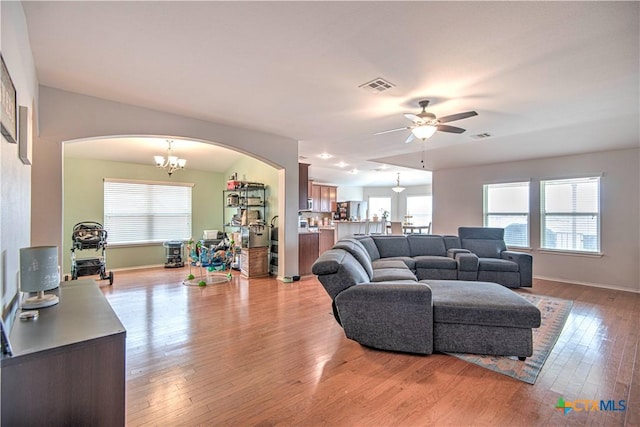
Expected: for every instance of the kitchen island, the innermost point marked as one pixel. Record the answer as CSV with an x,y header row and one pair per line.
x,y
349,228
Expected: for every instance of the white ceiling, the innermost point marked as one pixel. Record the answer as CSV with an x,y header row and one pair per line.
x,y
546,78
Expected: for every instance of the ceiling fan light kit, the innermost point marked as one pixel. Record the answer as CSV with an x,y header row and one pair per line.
x,y
425,124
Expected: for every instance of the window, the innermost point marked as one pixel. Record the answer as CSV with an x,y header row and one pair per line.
x,y
419,209
377,205
570,214
146,212
507,206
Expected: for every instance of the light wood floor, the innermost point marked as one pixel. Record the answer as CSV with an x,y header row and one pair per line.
x,y
261,352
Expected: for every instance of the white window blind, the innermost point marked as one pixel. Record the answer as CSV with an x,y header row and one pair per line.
x,y
146,212
506,205
570,214
419,208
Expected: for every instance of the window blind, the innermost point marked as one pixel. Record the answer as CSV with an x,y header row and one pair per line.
x,y
506,205
570,214
145,212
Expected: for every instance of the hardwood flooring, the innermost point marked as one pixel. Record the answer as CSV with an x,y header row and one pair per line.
x,y
262,352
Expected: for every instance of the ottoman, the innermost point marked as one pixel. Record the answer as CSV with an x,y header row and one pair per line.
x,y
481,318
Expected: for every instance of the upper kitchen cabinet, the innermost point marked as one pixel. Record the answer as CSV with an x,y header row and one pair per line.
x,y
324,198
303,186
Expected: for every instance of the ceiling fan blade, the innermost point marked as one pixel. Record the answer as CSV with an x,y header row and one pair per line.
x,y
413,117
451,129
410,138
391,130
458,116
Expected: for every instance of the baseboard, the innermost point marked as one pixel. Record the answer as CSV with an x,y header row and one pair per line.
x,y
594,285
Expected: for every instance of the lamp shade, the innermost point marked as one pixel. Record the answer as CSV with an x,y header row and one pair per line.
x,y
39,268
423,132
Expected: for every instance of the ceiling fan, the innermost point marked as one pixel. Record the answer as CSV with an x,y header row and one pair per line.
x,y
425,124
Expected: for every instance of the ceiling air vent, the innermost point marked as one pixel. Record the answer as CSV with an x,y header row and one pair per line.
x,y
482,135
377,85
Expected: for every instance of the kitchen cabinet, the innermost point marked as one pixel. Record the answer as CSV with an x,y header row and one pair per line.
x,y
303,185
324,198
326,239
307,252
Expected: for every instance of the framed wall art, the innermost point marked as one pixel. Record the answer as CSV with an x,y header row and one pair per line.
x,y
25,134
8,110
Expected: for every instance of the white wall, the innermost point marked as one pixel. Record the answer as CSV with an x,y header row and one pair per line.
x,y
15,177
457,201
345,194
65,116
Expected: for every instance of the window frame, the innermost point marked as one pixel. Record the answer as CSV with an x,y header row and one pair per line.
x,y
148,213
486,214
429,214
543,216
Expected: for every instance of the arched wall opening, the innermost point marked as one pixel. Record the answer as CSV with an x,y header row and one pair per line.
x,y
66,116
88,162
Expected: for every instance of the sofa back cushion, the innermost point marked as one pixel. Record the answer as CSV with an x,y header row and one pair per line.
x,y
392,246
370,246
426,245
338,270
452,242
485,242
358,251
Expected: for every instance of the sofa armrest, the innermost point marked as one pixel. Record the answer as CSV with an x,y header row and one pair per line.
x,y
467,262
453,252
525,265
389,316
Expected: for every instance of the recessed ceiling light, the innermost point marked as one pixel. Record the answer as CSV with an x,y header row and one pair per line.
x,y
482,135
354,171
342,164
325,156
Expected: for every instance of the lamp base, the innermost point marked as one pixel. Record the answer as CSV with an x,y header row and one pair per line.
x,y
41,300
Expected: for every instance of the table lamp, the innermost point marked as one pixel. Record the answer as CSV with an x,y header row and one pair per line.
x,y
39,273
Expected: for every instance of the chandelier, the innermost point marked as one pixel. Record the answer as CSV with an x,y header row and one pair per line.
x,y
424,131
397,188
171,163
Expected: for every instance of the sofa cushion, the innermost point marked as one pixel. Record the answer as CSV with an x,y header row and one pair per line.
x,y
426,244
370,246
495,264
389,263
481,303
407,260
356,249
392,246
451,242
427,261
392,274
484,248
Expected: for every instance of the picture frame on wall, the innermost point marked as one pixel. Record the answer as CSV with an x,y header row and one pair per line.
x,y
8,110
25,134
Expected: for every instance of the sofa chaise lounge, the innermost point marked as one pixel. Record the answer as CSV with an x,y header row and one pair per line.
x,y
407,293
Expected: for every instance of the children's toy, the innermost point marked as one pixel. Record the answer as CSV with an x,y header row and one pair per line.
x,y
212,263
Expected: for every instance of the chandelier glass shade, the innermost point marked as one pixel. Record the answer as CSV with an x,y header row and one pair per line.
x,y
424,131
397,188
171,163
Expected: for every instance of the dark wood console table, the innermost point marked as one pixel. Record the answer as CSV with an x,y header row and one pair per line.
x,y
68,365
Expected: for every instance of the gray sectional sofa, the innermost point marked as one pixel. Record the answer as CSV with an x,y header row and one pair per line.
x,y
426,293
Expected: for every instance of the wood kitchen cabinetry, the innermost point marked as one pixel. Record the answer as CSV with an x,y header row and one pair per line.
x,y
307,252
326,239
303,185
324,198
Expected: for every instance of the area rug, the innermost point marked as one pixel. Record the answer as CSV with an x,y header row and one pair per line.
x,y
554,313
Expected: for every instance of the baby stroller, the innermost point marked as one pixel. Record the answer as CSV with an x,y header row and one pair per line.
x,y
89,235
